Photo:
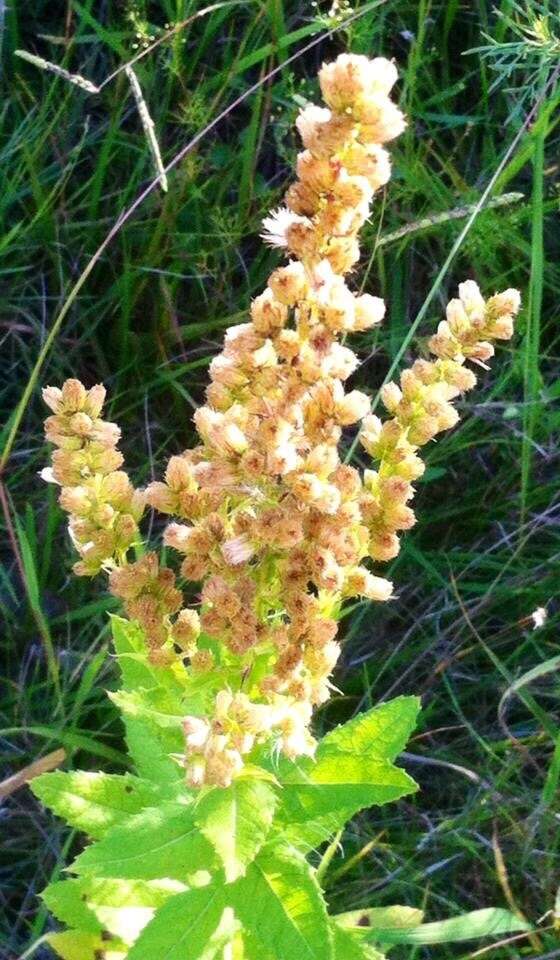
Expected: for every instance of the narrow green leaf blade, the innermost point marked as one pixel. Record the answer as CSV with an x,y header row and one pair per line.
x,y
94,802
395,917
280,904
489,922
236,821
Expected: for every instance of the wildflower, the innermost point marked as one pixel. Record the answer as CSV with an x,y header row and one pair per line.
x,y
421,408
104,507
276,530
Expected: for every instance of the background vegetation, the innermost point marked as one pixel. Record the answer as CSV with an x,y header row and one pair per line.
x,y
486,552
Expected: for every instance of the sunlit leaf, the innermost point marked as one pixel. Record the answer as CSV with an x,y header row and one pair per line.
x,y
94,802
354,767
120,907
280,904
162,842
236,821
194,925
490,922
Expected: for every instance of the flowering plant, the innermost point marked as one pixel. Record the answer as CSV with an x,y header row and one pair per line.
x,y
203,851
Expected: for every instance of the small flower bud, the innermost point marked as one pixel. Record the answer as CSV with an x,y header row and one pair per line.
x,y
368,312
178,536
360,582
352,408
289,284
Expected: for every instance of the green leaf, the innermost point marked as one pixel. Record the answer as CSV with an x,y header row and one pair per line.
x,y
162,842
194,925
236,821
354,767
131,650
149,751
490,922
66,901
77,945
120,907
381,733
156,706
157,715
94,802
280,903
147,743
311,834
251,948
349,947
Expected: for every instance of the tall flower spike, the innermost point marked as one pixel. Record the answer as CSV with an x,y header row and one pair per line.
x,y
421,407
277,531
103,505
270,517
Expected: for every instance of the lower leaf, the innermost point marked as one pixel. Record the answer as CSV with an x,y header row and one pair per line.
x,y
196,924
77,945
490,922
280,904
162,842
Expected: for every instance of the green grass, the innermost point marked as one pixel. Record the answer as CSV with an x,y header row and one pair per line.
x,y
147,321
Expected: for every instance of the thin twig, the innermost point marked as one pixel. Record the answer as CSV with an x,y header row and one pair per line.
x,y
436,219
148,125
50,762
74,78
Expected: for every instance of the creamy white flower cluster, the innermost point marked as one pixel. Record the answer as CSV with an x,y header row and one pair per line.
x,y
104,506
271,518
277,530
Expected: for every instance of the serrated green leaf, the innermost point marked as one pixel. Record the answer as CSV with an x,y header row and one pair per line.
x,y
148,748
311,834
147,744
348,947
66,901
120,907
490,922
354,767
343,784
236,821
77,945
131,650
156,706
380,733
280,903
196,924
162,842
94,802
